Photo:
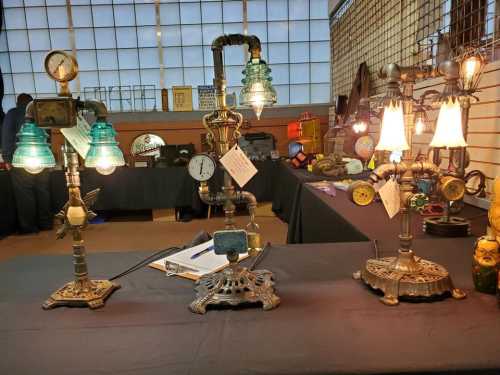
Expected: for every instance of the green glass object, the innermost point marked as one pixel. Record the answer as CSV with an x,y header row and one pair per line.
x,y
257,89
104,154
33,153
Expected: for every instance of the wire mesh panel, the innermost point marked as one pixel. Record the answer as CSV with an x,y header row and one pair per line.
x,y
405,32
144,97
120,98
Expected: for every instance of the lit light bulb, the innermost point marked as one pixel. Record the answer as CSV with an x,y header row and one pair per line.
x,y
419,126
257,98
392,132
471,65
449,131
360,127
33,166
395,156
104,166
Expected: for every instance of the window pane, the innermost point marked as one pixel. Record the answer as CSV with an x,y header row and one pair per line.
x,y
108,79
129,77
87,60
279,73
171,35
299,9
233,75
234,55
299,94
18,40
60,39
320,30
43,84
146,36
9,101
126,37
278,31
58,17
320,73
5,63
259,29
299,52
173,77
150,77
39,40
38,61
82,16
145,14
8,85
14,18
148,58
320,93
105,38
209,76
278,53
320,51
20,62
319,9
194,77
191,35
299,31
211,12
172,57
208,56
23,83
88,79
282,93
299,73
124,15
233,28
256,10
128,59
192,56
190,13
103,15
233,11
36,18
107,60
277,10
210,32
169,14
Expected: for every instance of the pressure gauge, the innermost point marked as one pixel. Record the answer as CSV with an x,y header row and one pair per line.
x,y
361,192
202,167
452,188
61,66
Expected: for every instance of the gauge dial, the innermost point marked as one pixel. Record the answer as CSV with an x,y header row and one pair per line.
x,y
362,193
201,167
452,188
61,66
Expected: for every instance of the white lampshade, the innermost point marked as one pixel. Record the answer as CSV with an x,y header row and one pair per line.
x,y
392,133
449,126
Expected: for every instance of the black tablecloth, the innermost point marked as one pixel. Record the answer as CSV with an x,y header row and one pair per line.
x,y
8,213
318,217
288,188
150,188
327,322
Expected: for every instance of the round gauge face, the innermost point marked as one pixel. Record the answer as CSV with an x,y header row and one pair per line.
x,y
362,193
452,188
61,66
201,167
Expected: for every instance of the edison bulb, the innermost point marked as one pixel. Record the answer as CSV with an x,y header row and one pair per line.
x,y
471,65
32,165
104,166
419,126
257,99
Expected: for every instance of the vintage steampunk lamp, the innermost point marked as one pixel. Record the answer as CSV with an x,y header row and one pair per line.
x,y
405,275
34,154
240,285
461,81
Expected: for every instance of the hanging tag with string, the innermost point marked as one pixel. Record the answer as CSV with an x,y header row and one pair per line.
x,y
389,193
238,165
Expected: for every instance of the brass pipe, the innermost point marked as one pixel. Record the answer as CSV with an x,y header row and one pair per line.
x,y
98,108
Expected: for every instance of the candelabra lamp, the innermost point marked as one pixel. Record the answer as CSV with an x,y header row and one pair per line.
x,y
223,130
34,154
461,81
405,275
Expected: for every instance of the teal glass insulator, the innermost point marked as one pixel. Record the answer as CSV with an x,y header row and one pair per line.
x,y
33,153
104,154
257,91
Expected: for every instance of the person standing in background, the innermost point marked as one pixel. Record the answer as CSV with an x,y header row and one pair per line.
x,y
31,191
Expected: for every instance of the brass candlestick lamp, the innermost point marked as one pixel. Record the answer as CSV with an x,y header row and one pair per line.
x,y
223,130
405,275
33,154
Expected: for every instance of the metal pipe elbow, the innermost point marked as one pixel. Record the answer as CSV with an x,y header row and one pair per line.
x,y
425,167
99,109
247,197
385,170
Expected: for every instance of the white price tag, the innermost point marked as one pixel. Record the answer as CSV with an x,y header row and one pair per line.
x,y
389,193
238,165
78,136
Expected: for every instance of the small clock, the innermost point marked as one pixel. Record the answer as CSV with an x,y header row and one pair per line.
x,y
202,167
361,192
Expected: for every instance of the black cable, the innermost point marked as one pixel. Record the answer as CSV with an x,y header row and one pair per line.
x,y
153,257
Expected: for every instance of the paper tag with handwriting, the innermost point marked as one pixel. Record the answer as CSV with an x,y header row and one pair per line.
x,y
389,193
238,165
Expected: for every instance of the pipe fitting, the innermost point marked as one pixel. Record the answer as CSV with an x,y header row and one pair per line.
x,y
97,107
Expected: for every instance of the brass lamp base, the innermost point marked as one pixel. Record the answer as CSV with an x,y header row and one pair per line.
x,y
234,286
84,293
407,276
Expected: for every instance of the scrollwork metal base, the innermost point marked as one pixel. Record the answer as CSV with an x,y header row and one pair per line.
x,y
234,286
83,293
407,276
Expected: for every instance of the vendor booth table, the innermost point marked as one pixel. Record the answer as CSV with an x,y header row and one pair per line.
x,y
327,322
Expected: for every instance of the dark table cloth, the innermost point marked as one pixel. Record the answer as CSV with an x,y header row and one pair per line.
x,y
151,188
327,323
8,213
318,217
288,188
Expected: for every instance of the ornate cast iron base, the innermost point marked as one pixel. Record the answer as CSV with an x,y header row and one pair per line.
x,y
85,293
407,276
233,286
